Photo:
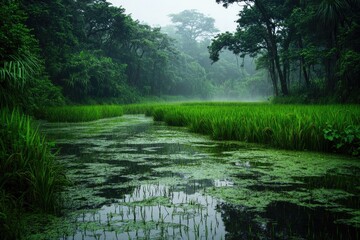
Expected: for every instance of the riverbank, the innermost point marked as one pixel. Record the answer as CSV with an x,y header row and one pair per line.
x,y
31,179
325,128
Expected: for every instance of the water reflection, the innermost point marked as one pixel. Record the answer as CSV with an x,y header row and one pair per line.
x,y
136,180
283,220
153,212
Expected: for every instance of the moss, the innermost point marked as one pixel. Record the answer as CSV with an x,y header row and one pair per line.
x,y
153,201
126,168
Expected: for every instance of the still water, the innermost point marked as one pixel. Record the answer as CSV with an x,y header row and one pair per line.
x,y
136,179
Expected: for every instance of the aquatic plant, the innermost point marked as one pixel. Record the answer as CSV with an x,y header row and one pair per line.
x,y
126,183
30,178
299,127
80,113
346,140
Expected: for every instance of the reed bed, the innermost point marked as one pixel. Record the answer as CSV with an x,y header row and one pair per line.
x,y
30,177
298,127
80,113
139,109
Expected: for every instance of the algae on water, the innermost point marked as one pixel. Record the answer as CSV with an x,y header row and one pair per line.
x,y
133,179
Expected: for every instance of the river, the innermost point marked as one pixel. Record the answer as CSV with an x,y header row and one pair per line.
x,y
136,179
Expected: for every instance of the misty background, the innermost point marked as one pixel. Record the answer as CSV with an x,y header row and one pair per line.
x,y
156,13
232,77
97,51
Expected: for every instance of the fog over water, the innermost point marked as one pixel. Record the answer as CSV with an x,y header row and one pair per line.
x,y
155,13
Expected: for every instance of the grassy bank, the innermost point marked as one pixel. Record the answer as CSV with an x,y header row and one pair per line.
x,y
80,113
327,128
30,177
301,127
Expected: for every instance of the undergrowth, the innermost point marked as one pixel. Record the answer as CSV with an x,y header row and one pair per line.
x,y
30,177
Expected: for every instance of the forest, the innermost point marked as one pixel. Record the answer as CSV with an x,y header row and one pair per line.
x,y
63,51
261,106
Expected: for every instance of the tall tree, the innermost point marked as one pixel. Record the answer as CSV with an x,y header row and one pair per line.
x,y
193,27
261,28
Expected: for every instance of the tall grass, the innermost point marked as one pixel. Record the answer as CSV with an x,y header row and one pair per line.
x,y
80,113
30,177
139,109
299,127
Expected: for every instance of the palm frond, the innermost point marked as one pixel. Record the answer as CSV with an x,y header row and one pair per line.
x,y
19,70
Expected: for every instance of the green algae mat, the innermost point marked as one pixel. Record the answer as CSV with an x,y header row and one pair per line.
x,y
136,179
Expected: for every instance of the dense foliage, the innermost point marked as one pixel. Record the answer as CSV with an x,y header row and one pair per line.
x,y
90,51
308,47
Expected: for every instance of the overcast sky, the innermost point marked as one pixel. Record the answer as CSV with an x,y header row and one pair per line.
x,y
155,12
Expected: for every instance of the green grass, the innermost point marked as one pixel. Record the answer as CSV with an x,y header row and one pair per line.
x,y
298,127
324,128
80,113
30,177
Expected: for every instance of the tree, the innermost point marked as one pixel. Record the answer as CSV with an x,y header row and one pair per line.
x,y
89,75
314,38
51,24
22,78
193,27
261,29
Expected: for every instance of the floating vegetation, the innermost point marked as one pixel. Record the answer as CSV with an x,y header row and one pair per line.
x,y
137,180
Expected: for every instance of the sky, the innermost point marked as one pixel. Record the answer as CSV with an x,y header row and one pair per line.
x,y
155,12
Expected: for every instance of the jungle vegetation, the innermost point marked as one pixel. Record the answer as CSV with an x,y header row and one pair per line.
x,y
65,52
309,48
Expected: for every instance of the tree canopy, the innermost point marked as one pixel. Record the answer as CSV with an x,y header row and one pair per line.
x,y
305,46
59,51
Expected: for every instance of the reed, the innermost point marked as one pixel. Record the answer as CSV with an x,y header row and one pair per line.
x,y
80,113
299,127
30,177
139,109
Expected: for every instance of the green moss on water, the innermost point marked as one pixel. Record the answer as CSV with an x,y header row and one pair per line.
x,y
153,201
354,219
253,200
110,164
44,227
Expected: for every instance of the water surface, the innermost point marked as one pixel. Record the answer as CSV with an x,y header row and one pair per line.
x,y
136,179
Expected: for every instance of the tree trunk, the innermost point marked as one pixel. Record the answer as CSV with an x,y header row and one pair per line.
x,y
282,78
330,64
272,47
303,65
273,77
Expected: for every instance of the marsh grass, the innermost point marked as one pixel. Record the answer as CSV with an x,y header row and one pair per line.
x,y
299,127
80,113
146,109
30,177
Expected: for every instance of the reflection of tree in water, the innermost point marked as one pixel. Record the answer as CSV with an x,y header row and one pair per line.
x,y
309,223
283,220
240,224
